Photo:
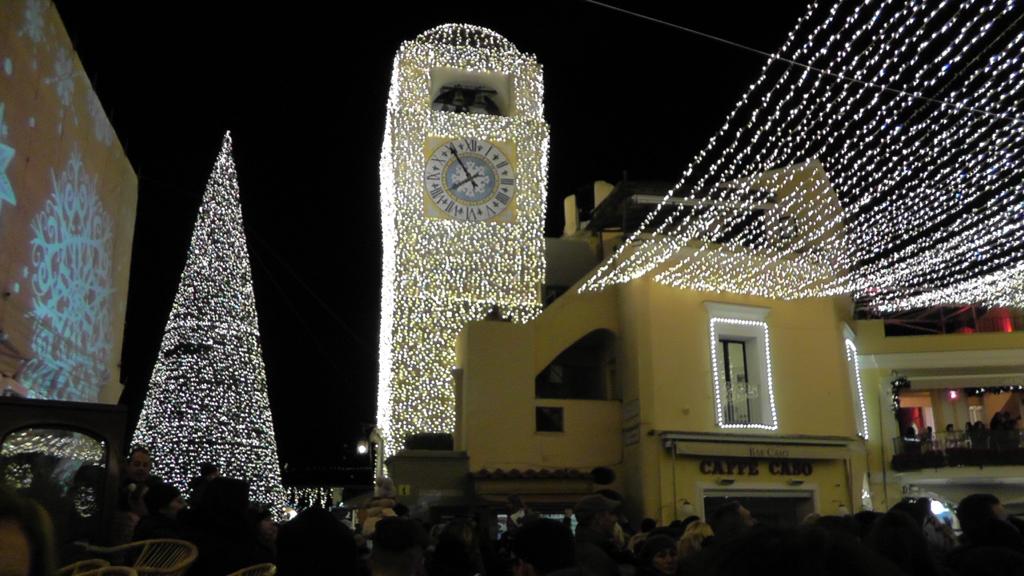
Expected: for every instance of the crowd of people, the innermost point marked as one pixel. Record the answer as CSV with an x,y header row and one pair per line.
x,y
1002,432
218,518
593,538
907,540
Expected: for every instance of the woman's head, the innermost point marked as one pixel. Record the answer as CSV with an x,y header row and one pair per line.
x,y
163,499
898,537
659,554
25,536
693,538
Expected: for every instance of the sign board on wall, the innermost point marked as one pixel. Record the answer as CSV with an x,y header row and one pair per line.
x,y
754,467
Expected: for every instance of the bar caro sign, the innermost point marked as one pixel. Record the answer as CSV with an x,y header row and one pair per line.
x,y
750,467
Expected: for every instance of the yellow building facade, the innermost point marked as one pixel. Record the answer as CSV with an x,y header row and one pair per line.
x,y
656,423
818,437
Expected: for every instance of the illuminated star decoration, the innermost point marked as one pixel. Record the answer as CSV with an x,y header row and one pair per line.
x,y
207,399
6,155
428,296
886,166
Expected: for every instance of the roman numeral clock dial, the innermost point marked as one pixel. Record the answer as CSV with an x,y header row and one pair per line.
x,y
469,179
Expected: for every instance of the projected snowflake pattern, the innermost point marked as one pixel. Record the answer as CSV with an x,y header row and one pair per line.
x,y
63,80
34,25
100,125
6,154
71,290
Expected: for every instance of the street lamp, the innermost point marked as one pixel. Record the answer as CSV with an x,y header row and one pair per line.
x,y
373,444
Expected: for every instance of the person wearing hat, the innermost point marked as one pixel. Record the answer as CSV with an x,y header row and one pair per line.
x,y
544,547
163,502
398,547
595,550
381,506
197,486
659,556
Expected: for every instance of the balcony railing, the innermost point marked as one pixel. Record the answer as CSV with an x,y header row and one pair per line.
x,y
973,448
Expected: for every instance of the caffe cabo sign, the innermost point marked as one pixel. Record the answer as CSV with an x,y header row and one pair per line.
x,y
745,467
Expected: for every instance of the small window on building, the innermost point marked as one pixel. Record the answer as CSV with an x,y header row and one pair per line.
x,y
976,414
550,419
583,371
739,390
741,360
465,92
466,99
65,469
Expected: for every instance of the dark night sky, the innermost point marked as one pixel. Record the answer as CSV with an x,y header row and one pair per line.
x,y
303,91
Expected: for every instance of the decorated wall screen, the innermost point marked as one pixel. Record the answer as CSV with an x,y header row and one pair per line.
x,y
67,209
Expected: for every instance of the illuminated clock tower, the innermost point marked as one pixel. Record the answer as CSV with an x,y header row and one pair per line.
x,y
463,174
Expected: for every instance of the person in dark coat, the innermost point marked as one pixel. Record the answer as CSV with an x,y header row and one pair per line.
x,y
398,546
899,538
457,552
983,520
197,486
226,530
163,502
659,556
595,549
315,543
544,547
730,521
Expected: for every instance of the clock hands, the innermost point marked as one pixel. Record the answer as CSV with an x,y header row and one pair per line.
x,y
466,170
460,183
474,191
477,187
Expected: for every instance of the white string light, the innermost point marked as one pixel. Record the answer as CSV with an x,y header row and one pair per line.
x,y
854,363
773,424
207,399
999,289
301,498
891,171
56,444
440,274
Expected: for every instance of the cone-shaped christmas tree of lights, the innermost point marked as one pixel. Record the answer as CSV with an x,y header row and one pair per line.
x,y
207,398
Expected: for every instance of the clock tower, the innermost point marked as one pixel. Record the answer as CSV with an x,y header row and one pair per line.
x,y
463,175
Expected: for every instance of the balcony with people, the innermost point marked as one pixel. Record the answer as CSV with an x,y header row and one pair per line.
x,y
976,444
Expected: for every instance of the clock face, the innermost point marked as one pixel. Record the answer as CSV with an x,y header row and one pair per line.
x,y
469,179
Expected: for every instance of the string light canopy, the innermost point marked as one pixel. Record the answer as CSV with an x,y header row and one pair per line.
x,y
207,399
877,155
441,272
1003,288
